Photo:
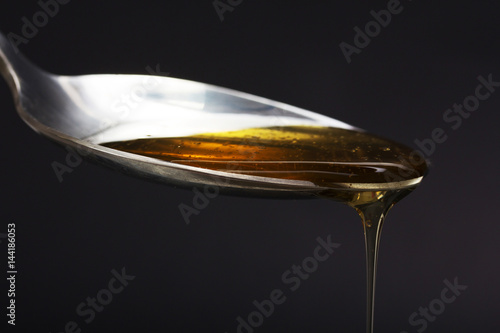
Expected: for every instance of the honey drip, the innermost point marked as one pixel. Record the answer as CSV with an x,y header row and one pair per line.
x,y
353,167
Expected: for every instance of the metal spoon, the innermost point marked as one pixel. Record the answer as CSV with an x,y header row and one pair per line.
x,y
83,111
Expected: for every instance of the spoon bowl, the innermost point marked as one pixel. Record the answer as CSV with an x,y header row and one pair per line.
x,y
82,112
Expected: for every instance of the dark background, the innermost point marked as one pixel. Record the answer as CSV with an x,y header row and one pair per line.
x,y
200,277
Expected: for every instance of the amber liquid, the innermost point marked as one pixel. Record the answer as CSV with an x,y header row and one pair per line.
x,y
362,170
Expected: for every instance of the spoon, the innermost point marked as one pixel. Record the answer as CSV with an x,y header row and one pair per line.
x,y
82,112
93,113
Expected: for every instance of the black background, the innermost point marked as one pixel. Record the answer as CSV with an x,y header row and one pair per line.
x,y
200,277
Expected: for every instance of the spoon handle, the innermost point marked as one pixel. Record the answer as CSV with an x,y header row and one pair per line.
x,y
14,67
8,57
5,65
